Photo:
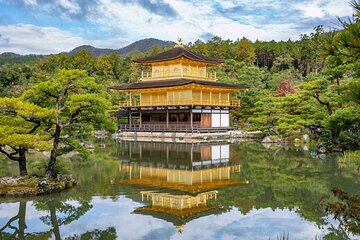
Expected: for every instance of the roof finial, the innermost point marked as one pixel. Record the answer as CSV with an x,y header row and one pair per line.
x,y
179,42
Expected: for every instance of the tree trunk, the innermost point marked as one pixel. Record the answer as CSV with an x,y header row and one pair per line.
x,y
338,85
22,162
22,222
54,221
50,172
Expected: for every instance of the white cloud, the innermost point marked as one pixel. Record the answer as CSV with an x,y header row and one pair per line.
x,y
31,39
310,10
72,7
127,21
194,19
339,8
324,8
30,2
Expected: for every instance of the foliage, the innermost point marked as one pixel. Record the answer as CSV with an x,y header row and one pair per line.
x,y
79,102
346,209
244,51
350,158
14,79
284,88
12,58
23,126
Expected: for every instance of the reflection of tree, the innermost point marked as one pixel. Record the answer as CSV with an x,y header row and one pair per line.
x,y
108,234
61,213
337,233
284,178
68,212
346,209
19,231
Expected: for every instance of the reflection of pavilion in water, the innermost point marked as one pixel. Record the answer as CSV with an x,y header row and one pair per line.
x,y
185,167
181,177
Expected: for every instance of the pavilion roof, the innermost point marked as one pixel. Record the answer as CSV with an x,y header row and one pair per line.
x,y
179,217
176,53
174,83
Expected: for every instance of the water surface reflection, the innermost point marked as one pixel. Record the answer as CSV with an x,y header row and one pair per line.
x,y
186,191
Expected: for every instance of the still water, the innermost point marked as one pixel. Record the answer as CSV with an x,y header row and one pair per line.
x,y
186,191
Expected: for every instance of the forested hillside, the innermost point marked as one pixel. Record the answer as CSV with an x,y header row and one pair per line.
x,y
12,58
295,86
139,46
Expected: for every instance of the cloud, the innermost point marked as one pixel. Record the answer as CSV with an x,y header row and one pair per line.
x,y
28,39
264,223
158,7
73,9
4,41
111,23
82,9
324,9
194,19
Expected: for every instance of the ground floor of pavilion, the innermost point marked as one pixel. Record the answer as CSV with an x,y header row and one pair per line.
x,y
174,119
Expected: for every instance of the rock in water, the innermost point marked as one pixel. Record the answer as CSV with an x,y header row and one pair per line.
x,y
322,149
306,138
268,139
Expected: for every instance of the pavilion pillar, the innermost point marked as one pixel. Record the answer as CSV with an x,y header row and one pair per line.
x,y
140,116
130,119
167,118
191,118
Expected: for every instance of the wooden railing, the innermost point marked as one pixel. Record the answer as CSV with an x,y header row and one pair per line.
x,y
232,103
179,73
196,128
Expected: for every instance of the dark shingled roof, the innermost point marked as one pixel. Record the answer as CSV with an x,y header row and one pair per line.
x,y
121,113
178,52
174,83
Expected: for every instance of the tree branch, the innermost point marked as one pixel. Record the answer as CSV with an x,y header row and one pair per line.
x,y
73,118
33,120
10,155
326,104
8,224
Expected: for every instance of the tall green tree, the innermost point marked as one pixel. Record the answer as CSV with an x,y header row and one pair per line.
x,y
23,126
245,51
78,101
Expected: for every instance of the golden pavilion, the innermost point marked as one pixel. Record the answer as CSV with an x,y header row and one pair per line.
x,y
179,182
179,93
204,167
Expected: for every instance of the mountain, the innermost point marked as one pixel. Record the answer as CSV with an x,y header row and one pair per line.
x,y
141,46
94,51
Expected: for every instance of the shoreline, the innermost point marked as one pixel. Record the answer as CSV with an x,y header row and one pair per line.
x,y
29,186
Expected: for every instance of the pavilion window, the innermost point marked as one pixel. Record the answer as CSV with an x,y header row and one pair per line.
x,y
146,117
184,117
197,117
173,118
162,117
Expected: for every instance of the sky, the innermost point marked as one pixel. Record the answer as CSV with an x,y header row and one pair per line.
x,y
53,26
258,224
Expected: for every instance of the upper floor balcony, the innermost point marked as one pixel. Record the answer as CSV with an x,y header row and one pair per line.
x,y
180,102
181,72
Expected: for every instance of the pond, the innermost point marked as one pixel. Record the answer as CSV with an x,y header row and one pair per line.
x,y
186,191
